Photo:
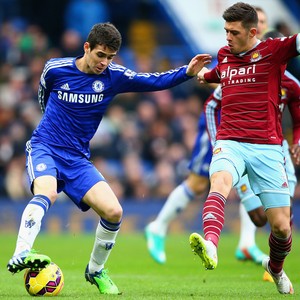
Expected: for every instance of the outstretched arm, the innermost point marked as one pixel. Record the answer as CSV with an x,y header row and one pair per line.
x,y
200,75
209,76
201,79
197,63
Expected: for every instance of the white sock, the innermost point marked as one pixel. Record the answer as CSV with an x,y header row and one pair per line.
x,y
31,222
247,230
176,202
104,242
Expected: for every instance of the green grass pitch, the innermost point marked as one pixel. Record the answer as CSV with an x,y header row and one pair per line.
x,y
138,277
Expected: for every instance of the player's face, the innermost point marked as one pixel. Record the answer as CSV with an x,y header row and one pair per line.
x,y
239,38
98,59
262,24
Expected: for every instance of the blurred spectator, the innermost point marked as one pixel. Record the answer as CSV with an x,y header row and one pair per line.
x,y
164,181
283,27
47,15
16,179
142,38
81,15
71,43
113,171
135,177
35,68
19,43
9,9
16,89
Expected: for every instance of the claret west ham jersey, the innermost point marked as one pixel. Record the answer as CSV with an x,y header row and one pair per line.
x,y
251,90
74,102
290,96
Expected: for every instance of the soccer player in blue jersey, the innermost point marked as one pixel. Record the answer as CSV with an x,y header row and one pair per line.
x,y
74,94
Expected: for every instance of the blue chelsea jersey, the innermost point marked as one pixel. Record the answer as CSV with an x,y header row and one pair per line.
x,y
74,102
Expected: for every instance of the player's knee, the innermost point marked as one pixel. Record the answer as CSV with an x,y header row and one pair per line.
x,y
199,190
114,214
258,217
197,184
281,229
221,182
258,221
51,195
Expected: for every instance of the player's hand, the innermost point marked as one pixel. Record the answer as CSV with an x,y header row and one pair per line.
x,y
197,63
200,75
295,153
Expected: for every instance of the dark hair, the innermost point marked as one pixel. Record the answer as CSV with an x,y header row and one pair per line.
x,y
105,34
272,34
242,12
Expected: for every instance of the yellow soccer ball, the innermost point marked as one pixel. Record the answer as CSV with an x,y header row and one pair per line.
x,y
48,281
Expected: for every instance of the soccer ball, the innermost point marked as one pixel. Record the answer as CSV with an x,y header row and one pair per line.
x,y
48,281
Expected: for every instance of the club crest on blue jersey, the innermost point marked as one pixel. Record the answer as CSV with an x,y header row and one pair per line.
x,y
41,167
98,86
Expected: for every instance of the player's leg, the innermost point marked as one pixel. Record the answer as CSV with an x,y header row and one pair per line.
x,y
280,243
247,248
41,170
24,256
213,220
224,173
269,181
155,231
257,216
250,206
104,202
177,201
196,183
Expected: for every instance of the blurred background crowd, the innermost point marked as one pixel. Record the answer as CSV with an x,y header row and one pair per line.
x,y
144,143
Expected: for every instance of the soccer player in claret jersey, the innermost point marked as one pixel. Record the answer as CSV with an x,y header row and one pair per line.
x,y
74,94
197,183
290,96
249,137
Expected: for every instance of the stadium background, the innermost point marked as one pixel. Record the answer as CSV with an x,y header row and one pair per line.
x,y
144,143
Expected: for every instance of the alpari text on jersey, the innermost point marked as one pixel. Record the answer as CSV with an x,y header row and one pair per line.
x,y
238,75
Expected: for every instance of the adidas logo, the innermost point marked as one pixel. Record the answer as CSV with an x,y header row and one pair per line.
x,y
65,87
224,60
209,216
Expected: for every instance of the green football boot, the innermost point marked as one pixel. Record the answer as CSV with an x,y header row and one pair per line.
x,y
206,250
102,281
28,259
